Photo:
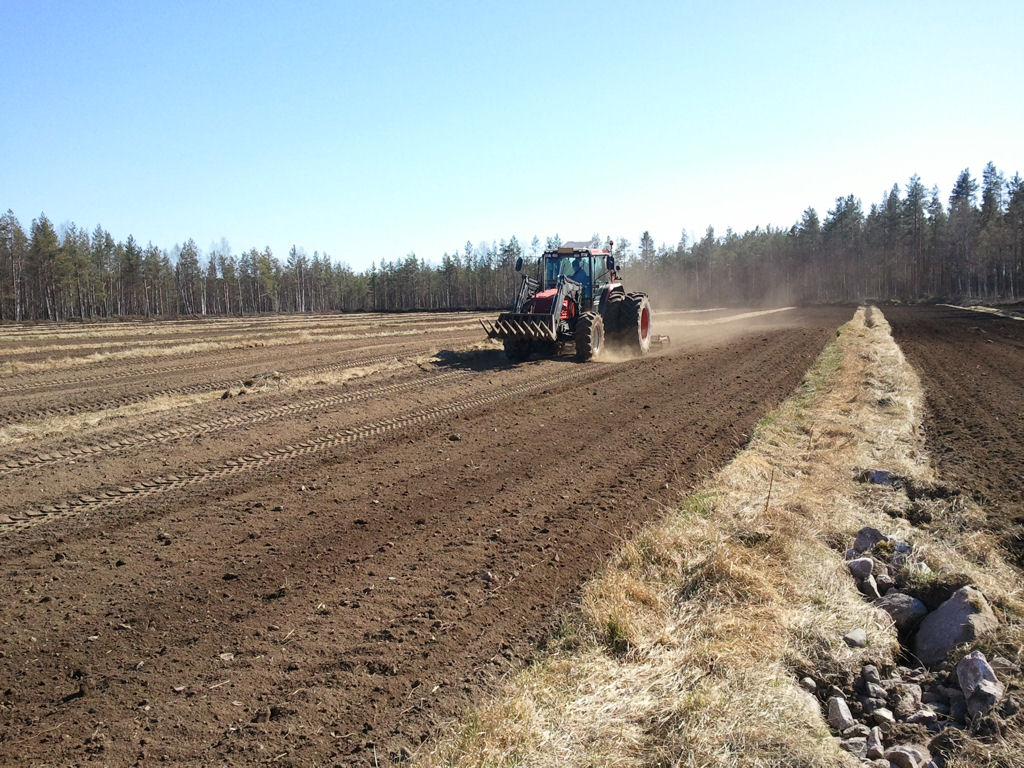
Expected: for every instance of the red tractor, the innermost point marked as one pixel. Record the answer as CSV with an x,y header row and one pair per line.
x,y
576,298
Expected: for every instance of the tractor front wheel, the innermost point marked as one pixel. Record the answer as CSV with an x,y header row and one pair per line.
x,y
636,324
518,349
589,336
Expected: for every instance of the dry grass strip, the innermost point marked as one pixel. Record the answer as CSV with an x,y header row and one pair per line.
x,y
686,648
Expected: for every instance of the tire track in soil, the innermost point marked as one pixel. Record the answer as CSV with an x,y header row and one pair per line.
x,y
14,519
181,428
190,389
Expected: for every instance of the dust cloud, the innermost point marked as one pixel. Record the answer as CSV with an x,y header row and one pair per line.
x,y
701,328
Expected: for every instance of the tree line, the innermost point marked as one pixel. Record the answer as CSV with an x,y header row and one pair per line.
x,y
909,246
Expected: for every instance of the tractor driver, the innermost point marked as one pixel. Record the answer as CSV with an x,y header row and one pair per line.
x,y
579,274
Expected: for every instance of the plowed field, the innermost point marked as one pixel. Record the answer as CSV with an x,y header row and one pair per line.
x,y
972,368
323,569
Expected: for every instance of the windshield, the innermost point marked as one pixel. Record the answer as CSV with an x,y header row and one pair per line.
x,y
556,266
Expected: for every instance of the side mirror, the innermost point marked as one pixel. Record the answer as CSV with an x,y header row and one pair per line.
x,y
609,262
519,264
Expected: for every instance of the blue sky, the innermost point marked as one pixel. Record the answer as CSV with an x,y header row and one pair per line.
x,y
369,130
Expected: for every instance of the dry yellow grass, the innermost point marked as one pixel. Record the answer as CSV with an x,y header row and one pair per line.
x,y
686,648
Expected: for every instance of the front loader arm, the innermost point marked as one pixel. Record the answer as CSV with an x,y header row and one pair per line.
x,y
527,287
534,326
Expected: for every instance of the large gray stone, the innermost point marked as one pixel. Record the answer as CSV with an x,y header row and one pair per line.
x,y
978,682
861,567
963,617
867,537
839,716
906,611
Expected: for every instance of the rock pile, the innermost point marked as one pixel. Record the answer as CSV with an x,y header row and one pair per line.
x,y
896,719
932,613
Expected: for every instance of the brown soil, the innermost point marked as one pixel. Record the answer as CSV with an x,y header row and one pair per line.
x,y
67,385
324,576
972,368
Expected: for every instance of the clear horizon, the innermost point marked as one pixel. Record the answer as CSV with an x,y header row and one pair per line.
x,y
371,131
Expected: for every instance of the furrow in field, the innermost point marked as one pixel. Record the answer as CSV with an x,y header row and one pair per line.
x,y
161,484
182,428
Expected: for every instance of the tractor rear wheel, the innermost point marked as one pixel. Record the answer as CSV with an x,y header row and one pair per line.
x,y
518,349
635,333
612,314
589,336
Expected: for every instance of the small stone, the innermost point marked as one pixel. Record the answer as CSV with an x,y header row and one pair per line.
x,y
883,716
868,704
933,696
958,707
857,729
876,691
1003,664
905,699
923,717
869,674
875,745
885,583
918,568
908,756
1011,706
454,437
861,567
808,684
851,554
839,716
856,746
856,638
868,587
867,537
979,684
904,610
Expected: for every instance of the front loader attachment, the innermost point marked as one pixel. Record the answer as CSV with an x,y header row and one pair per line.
x,y
522,325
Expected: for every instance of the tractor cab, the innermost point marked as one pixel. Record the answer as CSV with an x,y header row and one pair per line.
x,y
592,268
